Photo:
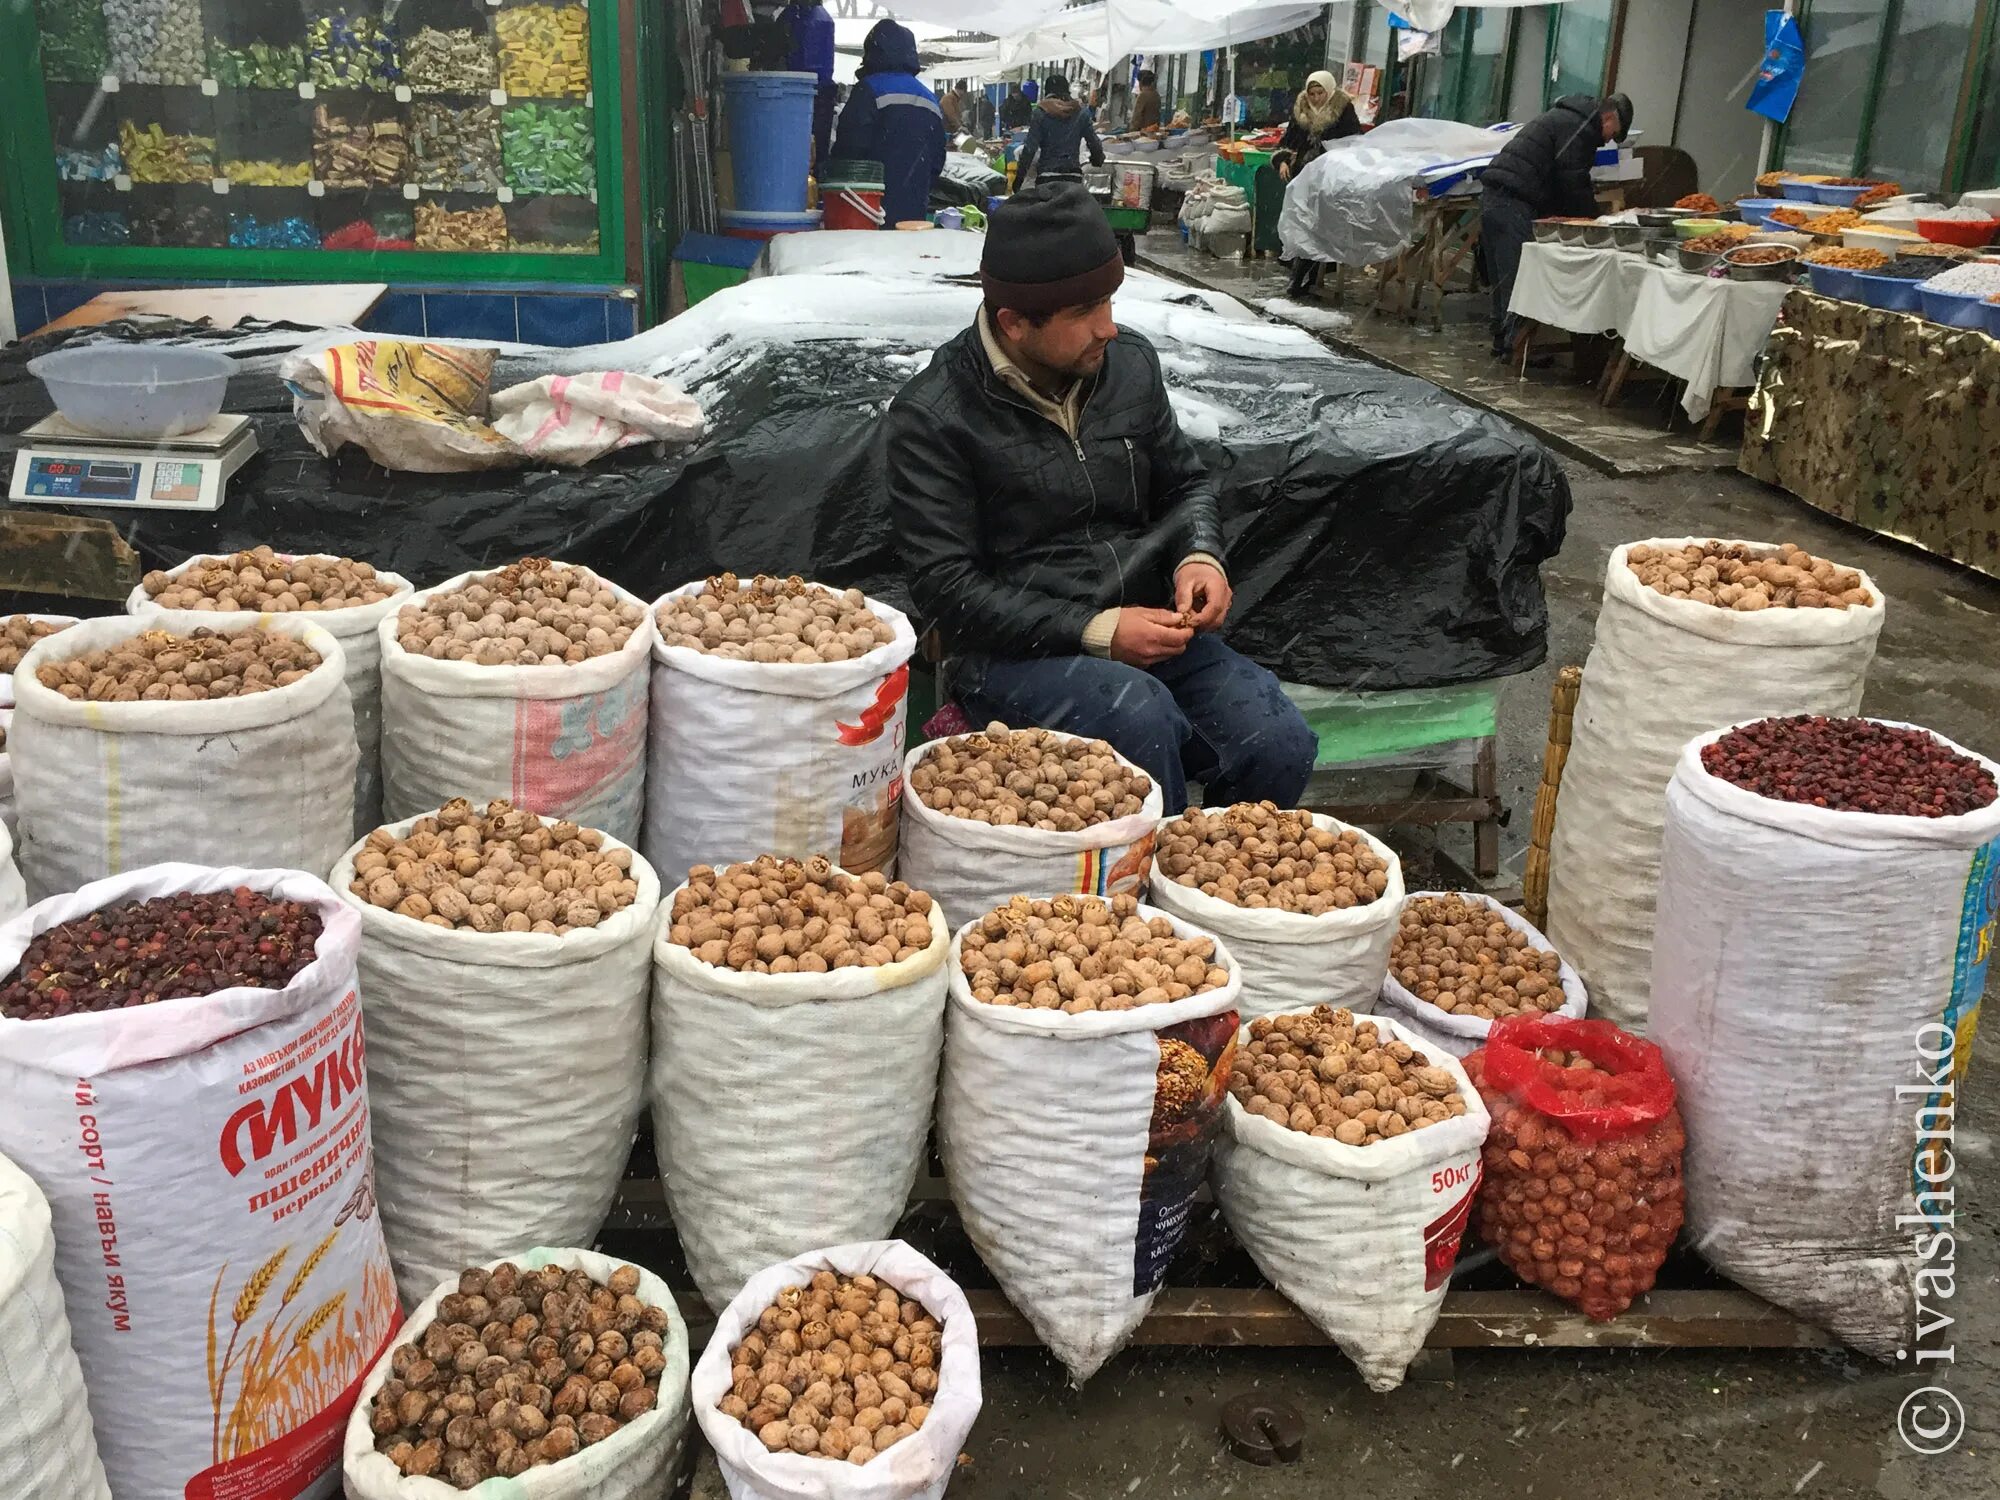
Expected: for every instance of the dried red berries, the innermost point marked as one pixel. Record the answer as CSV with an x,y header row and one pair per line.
x,y
1851,765
166,948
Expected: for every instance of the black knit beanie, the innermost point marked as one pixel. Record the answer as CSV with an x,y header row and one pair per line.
x,y
1056,87
1048,248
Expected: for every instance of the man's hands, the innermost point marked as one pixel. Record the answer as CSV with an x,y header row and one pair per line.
x,y
1146,637
1201,589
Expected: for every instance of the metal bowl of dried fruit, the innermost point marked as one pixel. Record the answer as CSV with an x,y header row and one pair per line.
x,y
1759,261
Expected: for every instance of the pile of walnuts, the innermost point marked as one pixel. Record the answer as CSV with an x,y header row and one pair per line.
x,y
1031,778
18,633
788,916
520,1369
261,580
1327,1074
1746,578
1462,957
773,620
1079,953
502,870
535,613
157,665
1257,854
842,1369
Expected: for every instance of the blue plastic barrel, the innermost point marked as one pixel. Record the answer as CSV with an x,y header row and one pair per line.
x,y
770,138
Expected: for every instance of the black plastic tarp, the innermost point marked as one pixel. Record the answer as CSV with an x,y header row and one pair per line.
x,y
1382,534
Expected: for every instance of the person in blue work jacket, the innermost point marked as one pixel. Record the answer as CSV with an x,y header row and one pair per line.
x,y
812,52
892,118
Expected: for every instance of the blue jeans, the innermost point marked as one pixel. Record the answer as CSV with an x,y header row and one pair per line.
x,y
1209,713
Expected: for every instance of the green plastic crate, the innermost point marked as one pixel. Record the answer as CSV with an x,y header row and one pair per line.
x,y
705,280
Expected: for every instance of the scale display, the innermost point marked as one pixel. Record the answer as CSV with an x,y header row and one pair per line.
x,y
82,479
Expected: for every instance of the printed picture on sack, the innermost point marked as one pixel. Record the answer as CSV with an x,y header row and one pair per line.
x,y
1115,872
567,751
1192,1077
873,814
1978,924
1442,1234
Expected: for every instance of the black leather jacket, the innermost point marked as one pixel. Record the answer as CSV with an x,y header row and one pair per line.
x,y
1014,536
1547,163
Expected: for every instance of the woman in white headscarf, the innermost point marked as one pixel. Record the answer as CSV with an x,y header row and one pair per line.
x,y
1322,112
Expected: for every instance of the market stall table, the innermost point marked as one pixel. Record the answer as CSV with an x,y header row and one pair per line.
x,y
1883,419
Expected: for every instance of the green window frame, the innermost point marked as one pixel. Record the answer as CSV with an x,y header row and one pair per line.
x,y
1453,100
1592,78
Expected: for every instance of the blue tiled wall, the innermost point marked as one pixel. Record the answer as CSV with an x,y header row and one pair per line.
x,y
534,313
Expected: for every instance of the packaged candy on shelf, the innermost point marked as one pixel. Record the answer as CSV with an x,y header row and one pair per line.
x,y
456,148
155,41
259,65
152,155
268,173
349,51
544,50
172,225
352,152
362,235
96,227
81,164
438,228
249,232
458,61
548,148
74,49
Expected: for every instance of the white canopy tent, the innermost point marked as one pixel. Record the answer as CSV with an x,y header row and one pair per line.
x,y
1102,33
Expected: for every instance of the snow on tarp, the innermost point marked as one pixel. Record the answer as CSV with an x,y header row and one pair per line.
x,y
1354,205
1381,533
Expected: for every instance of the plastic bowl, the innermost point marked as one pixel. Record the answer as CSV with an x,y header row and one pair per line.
x,y
1694,229
136,390
1755,210
1971,233
1986,200
1890,293
1833,281
1876,239
1799,188
1955,309
1840,195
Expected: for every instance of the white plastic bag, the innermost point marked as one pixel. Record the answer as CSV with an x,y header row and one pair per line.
x,y
756,1174
1291,959
577,419
917,1468
567,741
207,1163
355,629
47,1448
637,1462
748,758
970,867
1816,982
480,1043
1660,672
1361,1238
265,780
1461,1036
1074,1145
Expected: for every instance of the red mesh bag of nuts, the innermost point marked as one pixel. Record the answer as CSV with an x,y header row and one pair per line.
x,y
1582,1193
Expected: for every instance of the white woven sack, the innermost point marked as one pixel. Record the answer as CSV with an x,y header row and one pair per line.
x,y
970,867
1661,671
793,759
1462,1036
265,780
47,1448
355,629
7,678
637,1462
1292,960
917,1468
207,1163
1045,1125
475,1037
10,815
757,1174
1816,982
567,741
13,891
1361,1239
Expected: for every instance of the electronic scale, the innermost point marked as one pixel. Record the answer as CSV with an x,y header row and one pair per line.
x,y
61,464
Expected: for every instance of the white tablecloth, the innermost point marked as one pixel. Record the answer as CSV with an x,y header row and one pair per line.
x,y
1704,330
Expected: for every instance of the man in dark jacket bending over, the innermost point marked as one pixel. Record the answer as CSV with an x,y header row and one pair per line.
x,y
1061,534
1543,170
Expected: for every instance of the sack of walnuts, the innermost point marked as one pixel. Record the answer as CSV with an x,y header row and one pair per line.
x,y
568,741
638,1461
972,866
1075,1143
1290,955
1583,1193
1361,1237
1856,947
47,1449
354,626
797,757
1663,669
263,779
821,1142
920,1465
206,1159
1550,988
466,1042
17,634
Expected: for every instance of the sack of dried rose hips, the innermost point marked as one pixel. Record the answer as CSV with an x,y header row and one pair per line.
x,y
181,1056
1829,892
1582,1193
47,1449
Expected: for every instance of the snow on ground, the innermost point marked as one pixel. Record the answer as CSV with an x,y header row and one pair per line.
x,y
1307,315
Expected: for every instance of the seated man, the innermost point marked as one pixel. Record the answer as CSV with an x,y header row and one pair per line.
x,y
1060,533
